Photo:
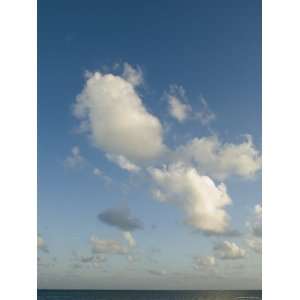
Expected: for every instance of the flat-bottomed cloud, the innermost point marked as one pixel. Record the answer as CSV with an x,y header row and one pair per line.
x,y
121,218
113,114
203,202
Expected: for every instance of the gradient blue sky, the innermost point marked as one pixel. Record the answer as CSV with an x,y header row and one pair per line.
x,y
210,48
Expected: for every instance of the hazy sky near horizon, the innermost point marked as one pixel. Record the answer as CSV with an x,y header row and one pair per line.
x,y
149,144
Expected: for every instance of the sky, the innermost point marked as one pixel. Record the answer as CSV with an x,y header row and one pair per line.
x,y
149,144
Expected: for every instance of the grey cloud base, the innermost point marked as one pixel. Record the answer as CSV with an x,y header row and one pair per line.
x,y
121,218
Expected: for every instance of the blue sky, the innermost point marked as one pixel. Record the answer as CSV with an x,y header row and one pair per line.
x,y
191,71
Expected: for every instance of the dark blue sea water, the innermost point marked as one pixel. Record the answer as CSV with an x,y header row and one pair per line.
x,y
147,295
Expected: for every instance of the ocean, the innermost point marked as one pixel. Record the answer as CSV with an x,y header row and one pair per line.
x,y
146,295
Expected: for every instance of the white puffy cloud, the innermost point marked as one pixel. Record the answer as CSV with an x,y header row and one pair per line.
x,y
202,201
219,160
114,116
129,238
178,109
100,246
229,250
204,262
75,159
123,163
41,245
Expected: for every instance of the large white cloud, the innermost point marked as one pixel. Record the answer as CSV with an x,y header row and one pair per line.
x,y
202,201
112,112
219,160
229,250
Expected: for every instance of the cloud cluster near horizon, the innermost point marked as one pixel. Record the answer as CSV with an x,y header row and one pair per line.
x,y
112,113
225,250
229,250
204,262
102,246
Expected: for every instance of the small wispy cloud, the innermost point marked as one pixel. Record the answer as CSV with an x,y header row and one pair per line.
x,y
74,159
98,173
123,163
133,75
205,115
179,109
